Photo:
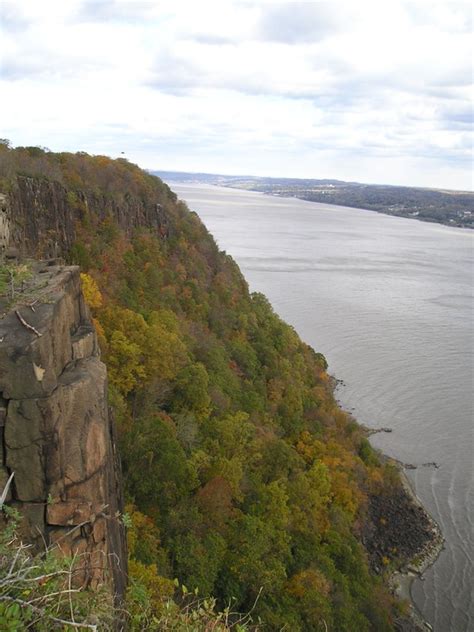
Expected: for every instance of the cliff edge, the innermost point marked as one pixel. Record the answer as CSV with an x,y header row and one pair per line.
x,y
56,433
40,218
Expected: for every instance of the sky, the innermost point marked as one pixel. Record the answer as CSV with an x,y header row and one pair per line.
x,y
366,91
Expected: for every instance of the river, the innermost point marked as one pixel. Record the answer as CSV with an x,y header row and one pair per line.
x,y
389,302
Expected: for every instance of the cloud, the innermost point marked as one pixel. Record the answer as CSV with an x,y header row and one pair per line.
x,y
14,69
114,10
292,87
459,118
297,22
12,18
252,68
456,17
212,39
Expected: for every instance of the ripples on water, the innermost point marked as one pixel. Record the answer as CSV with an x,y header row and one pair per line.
x,y
389,302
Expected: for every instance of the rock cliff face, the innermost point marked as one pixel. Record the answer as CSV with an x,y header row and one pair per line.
x,y
39,216
56,433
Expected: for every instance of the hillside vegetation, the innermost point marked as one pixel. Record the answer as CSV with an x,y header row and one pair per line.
x,y
244,479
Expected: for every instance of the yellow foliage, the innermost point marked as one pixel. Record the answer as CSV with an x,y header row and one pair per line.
x,y
311,589
99,329
345,492
160,588
124,362
100,334
309,447
181,272
324,377
311,497
375,478
91,291
341,465
139,351
308,581
143,530
164,352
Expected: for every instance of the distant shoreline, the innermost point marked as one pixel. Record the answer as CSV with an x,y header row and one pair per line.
x,y
427,220
436,206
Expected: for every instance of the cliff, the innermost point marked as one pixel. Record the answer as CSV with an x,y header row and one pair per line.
x,y
56,433
40,217
245,480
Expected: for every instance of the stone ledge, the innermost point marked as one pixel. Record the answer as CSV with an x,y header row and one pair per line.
x,y
30,364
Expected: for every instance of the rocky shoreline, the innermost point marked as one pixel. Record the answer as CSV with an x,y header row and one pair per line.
x,y
402,580
401,535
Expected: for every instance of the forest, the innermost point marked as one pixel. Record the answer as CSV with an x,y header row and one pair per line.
x,y
246,484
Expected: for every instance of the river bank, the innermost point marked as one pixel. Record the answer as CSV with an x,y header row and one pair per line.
x,y
400,534
402,580
403,538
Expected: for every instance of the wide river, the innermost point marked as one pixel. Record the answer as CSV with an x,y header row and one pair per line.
x,y
389,302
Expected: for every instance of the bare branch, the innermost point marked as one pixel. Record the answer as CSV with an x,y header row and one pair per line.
x,y
71,608
5,490
54,594
27,325
21,602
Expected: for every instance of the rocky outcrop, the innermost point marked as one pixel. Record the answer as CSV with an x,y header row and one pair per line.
x,y
400,533
399,528
41,216
56,433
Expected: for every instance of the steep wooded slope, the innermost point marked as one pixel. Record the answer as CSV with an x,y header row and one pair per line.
x,y
244,478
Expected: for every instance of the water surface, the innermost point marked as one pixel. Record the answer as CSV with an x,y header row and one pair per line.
x,y
389,302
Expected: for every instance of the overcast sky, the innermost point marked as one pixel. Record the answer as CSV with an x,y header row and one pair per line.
x,y
368,91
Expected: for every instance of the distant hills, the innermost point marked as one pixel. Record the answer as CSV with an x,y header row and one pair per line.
x,y
453,208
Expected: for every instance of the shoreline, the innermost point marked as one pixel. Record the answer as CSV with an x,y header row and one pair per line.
x,y
401,581
426,220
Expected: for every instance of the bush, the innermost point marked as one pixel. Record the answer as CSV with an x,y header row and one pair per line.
x,y
37,591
